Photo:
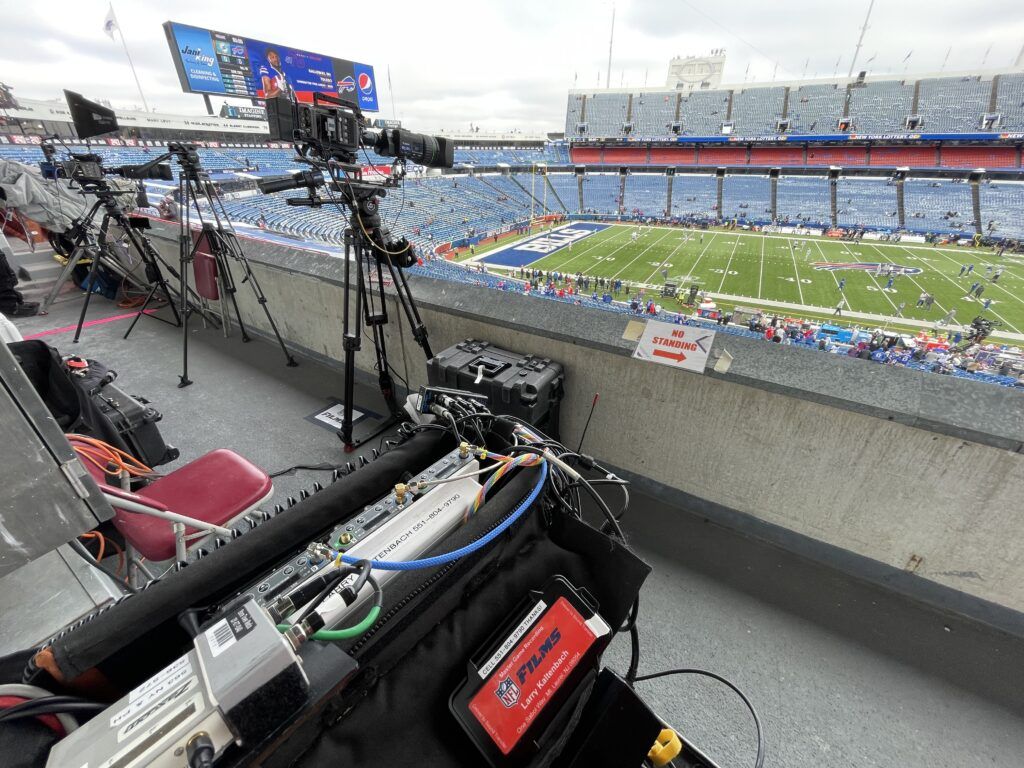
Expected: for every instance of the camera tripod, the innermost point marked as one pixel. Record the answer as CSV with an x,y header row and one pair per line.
x,y
368,251
218,238
84,240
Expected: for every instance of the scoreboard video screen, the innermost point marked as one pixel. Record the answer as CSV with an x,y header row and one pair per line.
x,y
220,63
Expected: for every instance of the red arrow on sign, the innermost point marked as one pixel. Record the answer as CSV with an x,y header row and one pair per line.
x,y
677,356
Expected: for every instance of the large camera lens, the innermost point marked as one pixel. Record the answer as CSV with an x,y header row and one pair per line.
x,y
431,151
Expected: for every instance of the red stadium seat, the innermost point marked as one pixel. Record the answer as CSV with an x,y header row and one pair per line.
x,y
772,156
979,157
914,157
722,156
837,156
674,156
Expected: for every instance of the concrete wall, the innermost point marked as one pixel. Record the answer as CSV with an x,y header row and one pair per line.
x,y
895,470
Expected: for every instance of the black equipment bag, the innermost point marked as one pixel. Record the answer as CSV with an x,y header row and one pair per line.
x,y
92,405
395,710
525,386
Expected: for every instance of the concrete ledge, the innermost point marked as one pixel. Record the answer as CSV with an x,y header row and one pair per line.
x,y
914,478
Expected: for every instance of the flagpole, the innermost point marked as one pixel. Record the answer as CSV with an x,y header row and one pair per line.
x,y
394,112
131,63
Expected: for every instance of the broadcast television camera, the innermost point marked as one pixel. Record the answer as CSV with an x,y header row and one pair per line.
x,y
336,129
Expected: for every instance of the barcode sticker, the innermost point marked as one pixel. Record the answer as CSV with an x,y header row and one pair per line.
x,y
220,637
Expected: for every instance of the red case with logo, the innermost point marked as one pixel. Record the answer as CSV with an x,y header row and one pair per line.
x,y
520,685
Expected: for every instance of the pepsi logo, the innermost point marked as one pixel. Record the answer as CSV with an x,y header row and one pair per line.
x,y
365,83
346,84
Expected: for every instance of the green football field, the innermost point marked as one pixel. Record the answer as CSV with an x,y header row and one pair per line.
x,y
753,269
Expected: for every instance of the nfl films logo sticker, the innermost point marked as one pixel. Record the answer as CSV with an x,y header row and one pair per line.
x,y
507,692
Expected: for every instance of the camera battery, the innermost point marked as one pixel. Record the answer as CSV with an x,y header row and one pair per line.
x,y
520,686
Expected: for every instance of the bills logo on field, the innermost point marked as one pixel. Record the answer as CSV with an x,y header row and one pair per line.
x,y
866,266
507,692
365,83
346,84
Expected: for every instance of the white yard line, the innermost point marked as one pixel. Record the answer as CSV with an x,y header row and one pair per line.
x,y
990,284
700,256
954,282
645,250
725,272
667,259
760,274
911,279
594,244
796,272
831,272
881,290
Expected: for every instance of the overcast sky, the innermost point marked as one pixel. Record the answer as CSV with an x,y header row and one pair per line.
x,y
499,63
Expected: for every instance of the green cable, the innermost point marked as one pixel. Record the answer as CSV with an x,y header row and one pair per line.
x,y
328,635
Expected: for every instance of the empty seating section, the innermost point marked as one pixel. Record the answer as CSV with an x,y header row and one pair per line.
x,y
815,108
626,156
919,157
937,205
1001,206
776,156
978,157
756,111
803,200
703,112
646,194
587,155
695,195
564,185
866,203
842,156
881,107
606,113
573,114
601,193
549,153
1010,102
674,156
953,103
720,156
653,113
746,197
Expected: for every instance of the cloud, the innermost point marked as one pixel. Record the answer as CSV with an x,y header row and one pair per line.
x,y
500,64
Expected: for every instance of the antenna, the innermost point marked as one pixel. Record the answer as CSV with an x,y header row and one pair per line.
x,y
860,40
611,39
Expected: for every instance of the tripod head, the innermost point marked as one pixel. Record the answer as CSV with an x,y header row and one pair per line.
x,y
346,188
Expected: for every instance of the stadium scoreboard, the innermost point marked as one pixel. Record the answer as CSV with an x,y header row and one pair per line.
x,y
219,63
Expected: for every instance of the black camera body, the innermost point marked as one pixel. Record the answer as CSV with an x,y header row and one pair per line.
x,y
87,170
335,129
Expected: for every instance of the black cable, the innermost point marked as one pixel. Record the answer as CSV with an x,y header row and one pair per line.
x,y
759,760
49,705
311,467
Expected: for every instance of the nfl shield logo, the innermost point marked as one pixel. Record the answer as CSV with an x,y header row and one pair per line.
x,y
508,692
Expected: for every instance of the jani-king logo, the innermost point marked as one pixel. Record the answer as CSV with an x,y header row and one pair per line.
x,y
507,692
198,56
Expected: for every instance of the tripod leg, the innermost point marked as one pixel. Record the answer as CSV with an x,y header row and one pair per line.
x,y
141,312
228,287
186,254
350,341
261,299
65,275
91,282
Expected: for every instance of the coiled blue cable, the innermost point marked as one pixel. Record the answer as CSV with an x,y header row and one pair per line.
x,y
448,557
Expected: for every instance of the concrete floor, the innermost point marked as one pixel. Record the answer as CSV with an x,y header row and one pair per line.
x,y
842,673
